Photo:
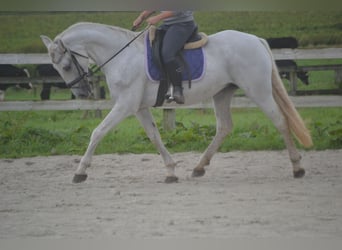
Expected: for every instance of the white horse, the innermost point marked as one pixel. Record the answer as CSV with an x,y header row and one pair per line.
x,y
233,60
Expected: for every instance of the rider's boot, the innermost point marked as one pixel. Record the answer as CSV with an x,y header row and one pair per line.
x,y
175,74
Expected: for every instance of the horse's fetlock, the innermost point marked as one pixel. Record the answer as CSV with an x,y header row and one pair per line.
x,y
84,164
171,165
206,161
296,159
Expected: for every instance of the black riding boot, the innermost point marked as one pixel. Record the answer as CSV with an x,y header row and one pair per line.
x,y
175,74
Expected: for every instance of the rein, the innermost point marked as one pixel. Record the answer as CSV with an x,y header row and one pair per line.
x,y
95,68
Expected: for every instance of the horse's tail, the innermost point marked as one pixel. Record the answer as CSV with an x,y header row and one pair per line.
x,y
294,120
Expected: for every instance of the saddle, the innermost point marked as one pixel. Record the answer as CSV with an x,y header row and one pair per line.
x,y
196,40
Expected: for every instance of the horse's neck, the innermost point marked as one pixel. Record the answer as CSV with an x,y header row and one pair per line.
x,y
100,41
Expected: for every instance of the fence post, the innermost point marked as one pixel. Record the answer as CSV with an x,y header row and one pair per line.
x,y
293,82
96,89
169,119
338,78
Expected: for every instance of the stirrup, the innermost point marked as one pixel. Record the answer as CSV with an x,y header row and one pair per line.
x,y
169,97
180,97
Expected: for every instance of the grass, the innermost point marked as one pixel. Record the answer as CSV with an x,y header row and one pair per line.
x,y
311,28
20,31
65,132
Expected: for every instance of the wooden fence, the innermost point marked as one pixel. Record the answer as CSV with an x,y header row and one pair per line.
x,y
279,54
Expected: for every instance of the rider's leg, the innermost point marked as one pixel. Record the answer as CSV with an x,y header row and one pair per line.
x,y
175,74
175,37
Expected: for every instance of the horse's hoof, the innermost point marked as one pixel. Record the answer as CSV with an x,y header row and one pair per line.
x,y
198,172
171,179
299,173
78,178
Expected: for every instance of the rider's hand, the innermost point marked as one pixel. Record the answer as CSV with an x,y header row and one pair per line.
x,y
138,21
153,20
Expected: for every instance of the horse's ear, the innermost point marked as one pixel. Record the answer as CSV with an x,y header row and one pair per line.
x,y
46,40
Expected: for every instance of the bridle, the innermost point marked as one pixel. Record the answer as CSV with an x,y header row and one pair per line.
x,y
82,74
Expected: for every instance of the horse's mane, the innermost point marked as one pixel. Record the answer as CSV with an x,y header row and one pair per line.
x,y
106,27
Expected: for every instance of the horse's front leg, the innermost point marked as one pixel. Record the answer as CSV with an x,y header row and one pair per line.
x,y
117,114
147,121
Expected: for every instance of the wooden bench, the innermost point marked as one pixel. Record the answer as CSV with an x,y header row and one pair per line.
x,y
329,67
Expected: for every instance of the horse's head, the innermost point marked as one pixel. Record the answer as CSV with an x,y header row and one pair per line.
x,y
71,65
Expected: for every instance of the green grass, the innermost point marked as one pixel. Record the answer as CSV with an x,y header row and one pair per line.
x,y
311,28
65,132
20,32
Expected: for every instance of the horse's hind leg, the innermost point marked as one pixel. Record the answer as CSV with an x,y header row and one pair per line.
x,y
271,109
224,125
147,121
